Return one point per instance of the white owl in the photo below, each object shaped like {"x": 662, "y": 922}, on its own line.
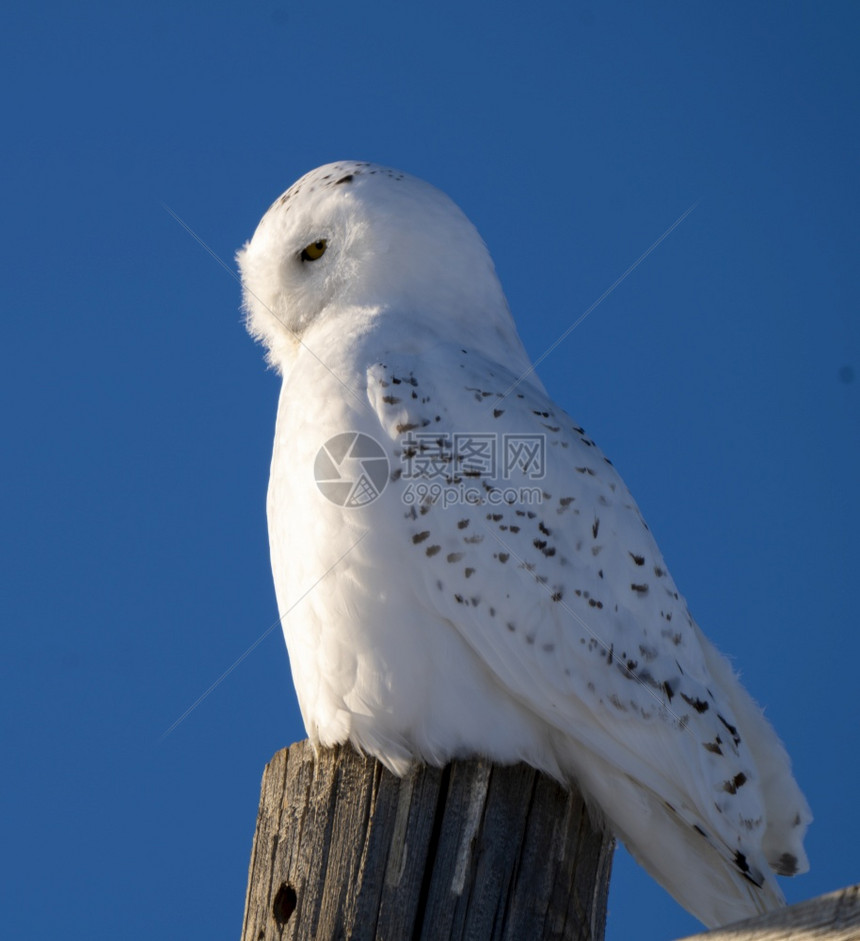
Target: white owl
{"x": 462, "y": 572}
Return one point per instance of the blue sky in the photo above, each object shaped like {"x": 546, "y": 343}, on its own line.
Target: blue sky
{"x": 722, "y": 377}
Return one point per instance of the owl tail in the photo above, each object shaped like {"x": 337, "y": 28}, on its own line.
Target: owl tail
{"x": 712, "y": 884}
{"x": 788, "y": 814}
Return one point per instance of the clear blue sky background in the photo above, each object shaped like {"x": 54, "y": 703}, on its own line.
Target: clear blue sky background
{"x": 722, "y": 377}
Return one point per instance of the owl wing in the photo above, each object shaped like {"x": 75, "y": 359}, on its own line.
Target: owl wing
{"x": 529, "y": 543}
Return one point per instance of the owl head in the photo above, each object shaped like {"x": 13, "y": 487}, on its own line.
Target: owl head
{"x": 353, "y": 235}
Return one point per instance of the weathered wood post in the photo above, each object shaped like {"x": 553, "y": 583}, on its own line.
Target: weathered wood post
{"x": 831, "y": 917}
{"x": 344, "y": 849}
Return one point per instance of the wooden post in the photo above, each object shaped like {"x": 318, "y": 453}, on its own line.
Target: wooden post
{"x": 834, "y": 917}
{"x": 345, "y": 850}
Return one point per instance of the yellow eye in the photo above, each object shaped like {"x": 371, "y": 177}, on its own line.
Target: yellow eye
{"x": 314, "y": 250}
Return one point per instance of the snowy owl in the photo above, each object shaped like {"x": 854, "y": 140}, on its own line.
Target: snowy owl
{"x": 459, "y": 569}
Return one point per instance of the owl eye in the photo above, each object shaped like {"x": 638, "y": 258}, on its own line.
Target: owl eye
{"x": 314, "y": 250}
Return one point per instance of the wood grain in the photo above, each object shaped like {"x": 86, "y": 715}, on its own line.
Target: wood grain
{"x": 344, "y": 849}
